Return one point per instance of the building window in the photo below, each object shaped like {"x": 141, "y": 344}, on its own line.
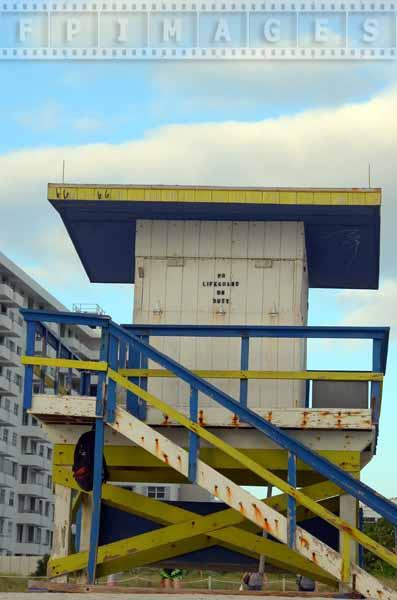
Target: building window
{"x": 156, "y": 492}
{"x": 5, "y": 435}
{"x": 24, "y": 475}
{"x": 38, "y": 536}
{"x": 30, "y": 534}
{"x": 41, "y": 451}
{"x": 9, "y": 528}
{"x": 14, "y": 439}
{"x": 19, "y": 534}
{"x": 16, "y": 409}
{"x": 47, "y": 509}
{"x": 11, "y": 499}
{"x": 49, "y": 481}
{"x": 25, "y": 418}
{"x": 49, "y": 453}
{"x": 47, "y": 537}
{"x": 7, "y": 404}
{"x": 2, "y": 495}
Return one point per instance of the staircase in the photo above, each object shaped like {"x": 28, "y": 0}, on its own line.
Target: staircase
{"x": 233, "y": 528}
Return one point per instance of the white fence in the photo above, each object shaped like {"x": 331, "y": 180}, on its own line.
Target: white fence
{"x": 18, "y": 565}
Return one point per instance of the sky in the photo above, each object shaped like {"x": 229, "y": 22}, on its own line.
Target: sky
{"x": 271, "y": 124}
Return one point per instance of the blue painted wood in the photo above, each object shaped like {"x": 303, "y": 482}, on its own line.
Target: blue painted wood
{"x": 291, "y": 501}
{"x": 375, "y": 385}
{"x": 28, "y": 379}
{"x": 96, "y": 496}
{"x": 283, "y": 439}
{"x": 194, "y": 440}
{"x": 133, "y": 362}
{"x": 77, "y": 539}
{"x": 111, "y": 389}
{"x": 244, "y": 362}
{"x": 98, "y": 464}
{"x": 142, "y": 407}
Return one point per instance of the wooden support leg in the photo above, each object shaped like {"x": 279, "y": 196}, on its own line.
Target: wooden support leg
{"x": 62, "y": 524}
{"x": 86, "y": 514}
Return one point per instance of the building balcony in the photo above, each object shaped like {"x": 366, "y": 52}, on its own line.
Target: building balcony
{"x": 8, "y": 417}
{"x": 6, "y": 448}
{"x": 30, "y": 549}
{"x": 8, "y": 357}
{"x": 33, "y": 518}
{"x": 34, "y": 489}
{"x": 7, "y": 511}
{"x": 10, "y": 327}
{"x": 8, "y": 387}
{"x": 35, "y": 460}
{"x": 33, "y": 431}
{"x": 7, "y": 481}
{"x": 9, "y": 296}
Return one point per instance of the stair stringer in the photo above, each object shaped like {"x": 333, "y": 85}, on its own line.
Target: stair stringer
{"x": 242, "y": 501}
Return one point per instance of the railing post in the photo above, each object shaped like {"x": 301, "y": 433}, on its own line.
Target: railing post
{"x": 43, "y": 370}
{"x": 361, "y": 528}
{"x": 291, "y": 501}
{"x": 111, "y": 390}
{"x": 194, "y": 440}
{"x": 133, "y": 362}
{"x": 143, "y": 382}
{"x": 28, "y": 380}
{"x": 376, "y": 385}
{"x": 98, "y": 464}
{"x": 244, "y": 365}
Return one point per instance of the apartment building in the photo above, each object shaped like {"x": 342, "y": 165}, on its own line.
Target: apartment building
{"x": 26, "y": 491}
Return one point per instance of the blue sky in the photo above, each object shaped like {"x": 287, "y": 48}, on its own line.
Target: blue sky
{"x": 316, "y": 123}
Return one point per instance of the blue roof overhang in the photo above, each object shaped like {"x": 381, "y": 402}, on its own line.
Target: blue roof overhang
{"x": 342, "y": 242}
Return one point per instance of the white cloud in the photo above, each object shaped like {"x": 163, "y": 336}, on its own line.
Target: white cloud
{"x": 328, "y": 147}
{"x": 372, "y": 306}
{"x": 44, "y": 118}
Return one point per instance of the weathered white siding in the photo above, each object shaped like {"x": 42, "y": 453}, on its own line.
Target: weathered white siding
{"x": 196, "y": 272}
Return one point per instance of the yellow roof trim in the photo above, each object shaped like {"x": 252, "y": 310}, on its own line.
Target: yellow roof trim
{"x": 215, "y": 194}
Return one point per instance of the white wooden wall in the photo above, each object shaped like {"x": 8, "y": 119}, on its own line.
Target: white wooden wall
{"x": 200, "y": 272}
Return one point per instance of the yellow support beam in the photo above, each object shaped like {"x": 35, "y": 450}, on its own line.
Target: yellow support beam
{"x": 266, "y": 475}
{"x": 345, "y": 552}
{"x": 232, "y": 537}
{"x": 274, "y": 459}
{"x": 66, "y": 363}
{"x": 234, "y": 374}
{"x": 214, "y": 195}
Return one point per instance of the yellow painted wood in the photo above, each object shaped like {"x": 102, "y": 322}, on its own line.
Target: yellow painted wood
{"x": 267, "y": 476}
{"x": 147, "y": 193}
{"x": 230, "y": 536}
{"x": 234, "y": 374}
{"x": 66, "y": 363}
{"x": 345, "y": 551}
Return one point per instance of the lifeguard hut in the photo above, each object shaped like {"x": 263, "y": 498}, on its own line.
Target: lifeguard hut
{"x": 209, "y": 383}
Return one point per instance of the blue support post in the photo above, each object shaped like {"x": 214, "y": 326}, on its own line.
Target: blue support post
{"x": 98, "y": 465}
{"x": 194, "y": 440}
{"x": 77, "y": 539}
{"x": 28, "y": 380}
{"x": 244, "y": 362}
{"x": 56, "y": 378}
{"x": 361, "y": 528}
{"x": 133, "y": 362}
{"x": 375, "y": 385}
{"x": 85, "y": 383}
{"x": 291, "y": 500}
{"x": 111, "y": 392}
{"x": 143, "y": 382}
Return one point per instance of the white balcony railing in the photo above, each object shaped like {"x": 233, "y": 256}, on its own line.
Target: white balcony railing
{"x": 8, "y": 387}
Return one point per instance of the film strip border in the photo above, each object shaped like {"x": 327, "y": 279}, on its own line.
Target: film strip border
{"x": 148, "y": 50}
